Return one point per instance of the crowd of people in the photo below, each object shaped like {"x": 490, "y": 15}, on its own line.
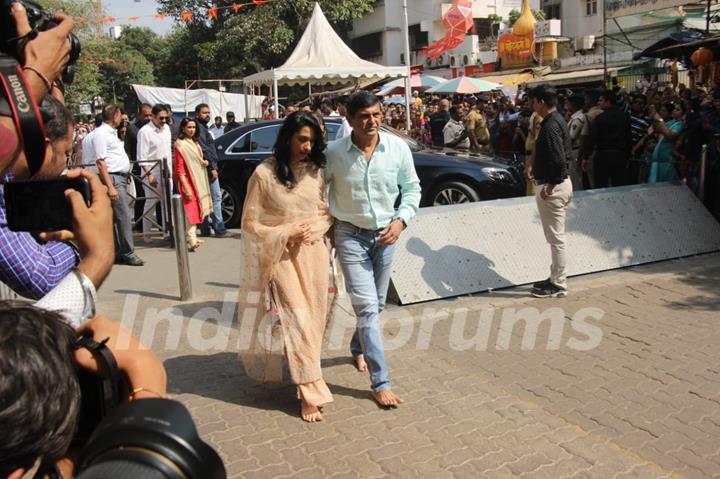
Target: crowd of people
{"x": 651, "y": 134}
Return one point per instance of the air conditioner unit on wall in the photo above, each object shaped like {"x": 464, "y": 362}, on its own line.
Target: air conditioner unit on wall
{"x": 441, "y": 60}
{"x": 470, "y": 59}
{"x": 586, "y": 42}
{"x": 455, "y": 60}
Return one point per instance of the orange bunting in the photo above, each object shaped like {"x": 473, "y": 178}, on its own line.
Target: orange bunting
{"x": 213, "y": 13}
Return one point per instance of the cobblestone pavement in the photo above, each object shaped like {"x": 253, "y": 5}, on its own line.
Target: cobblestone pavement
{"x": 644, "y": 402}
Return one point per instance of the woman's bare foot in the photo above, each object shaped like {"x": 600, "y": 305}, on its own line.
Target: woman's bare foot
{"x": 387, "y": 398}
{"x": 310, "y": 413}
{"x": 360, "y": 363}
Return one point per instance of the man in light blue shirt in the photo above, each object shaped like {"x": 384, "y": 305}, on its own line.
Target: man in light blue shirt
{"x": 366, "y": 171}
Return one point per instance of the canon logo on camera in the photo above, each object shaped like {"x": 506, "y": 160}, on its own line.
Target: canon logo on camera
{"x": 21, "y": 101}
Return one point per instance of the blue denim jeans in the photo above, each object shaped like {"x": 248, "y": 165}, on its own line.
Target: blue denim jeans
{"x": 218, "y": 225}
{"x": 366, "y": 266}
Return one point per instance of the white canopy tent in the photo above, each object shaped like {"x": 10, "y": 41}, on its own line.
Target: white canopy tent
{"x": 322, "y": 57}
{"x": 185, "y": 100}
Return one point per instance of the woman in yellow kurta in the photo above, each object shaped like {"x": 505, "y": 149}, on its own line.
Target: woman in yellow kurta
{"x": 284, "y": 278}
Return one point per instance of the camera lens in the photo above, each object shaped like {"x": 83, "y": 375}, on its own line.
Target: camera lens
{"x": 148, "y": 438}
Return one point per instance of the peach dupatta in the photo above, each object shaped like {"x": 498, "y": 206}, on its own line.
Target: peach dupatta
{"x": 283, "y": 302}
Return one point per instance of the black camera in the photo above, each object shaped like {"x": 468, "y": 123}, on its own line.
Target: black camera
{"x": 40, "y": 21}
{"x": 148, "y": 438}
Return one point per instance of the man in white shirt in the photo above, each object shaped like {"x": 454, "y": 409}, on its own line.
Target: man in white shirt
{"x": 345, "y": 128}
{"x": 88, "y": 154}
{"x": 154, "y": 147}
{"x": 114, "y": 167}
{"x": 218, "y": 129}
{"x": 327, "y": 108}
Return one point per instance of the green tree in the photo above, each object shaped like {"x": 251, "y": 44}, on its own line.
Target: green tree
{"x": 119, "y": 67}
{"x": 514, "y": 14}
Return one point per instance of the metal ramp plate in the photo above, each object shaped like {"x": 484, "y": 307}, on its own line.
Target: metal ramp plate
{"x": 460, "y": 249}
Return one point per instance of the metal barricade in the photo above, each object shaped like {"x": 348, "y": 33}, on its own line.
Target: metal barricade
{"x": 160, "y": 194}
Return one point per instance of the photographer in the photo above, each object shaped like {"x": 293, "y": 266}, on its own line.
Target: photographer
{"x": 29, "y": 267}
{"x": 45, "y": 55}
{"x": 40, "y": 395}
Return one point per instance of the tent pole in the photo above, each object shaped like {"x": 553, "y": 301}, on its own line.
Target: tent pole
{"x": 408, "y": 94}
{"x": 275, "y": 95}
{"x": 247, "y": 104}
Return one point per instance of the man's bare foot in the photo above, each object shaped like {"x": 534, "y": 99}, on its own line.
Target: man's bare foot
{"x": 360, "y": 363}
{"x": 387, "y": 398}
{"x": 310, "y": 413}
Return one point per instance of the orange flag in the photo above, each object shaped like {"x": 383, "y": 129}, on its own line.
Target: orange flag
{"x": 160, "y": 16}
{"x": 237, "y": 7}
{"x": 186, "y": 16}
{"x": 213, "y": 13}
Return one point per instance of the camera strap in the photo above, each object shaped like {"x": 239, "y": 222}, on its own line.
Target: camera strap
{"x": 24, "y": 111}
{"x": 103, "y": 353}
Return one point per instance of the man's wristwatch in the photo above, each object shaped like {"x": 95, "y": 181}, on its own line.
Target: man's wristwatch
{"x": 400, "y": 220}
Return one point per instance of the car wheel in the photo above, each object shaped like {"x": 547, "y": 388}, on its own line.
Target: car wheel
{"x": 231, "y": 207}
{"x": 453, "y": 193}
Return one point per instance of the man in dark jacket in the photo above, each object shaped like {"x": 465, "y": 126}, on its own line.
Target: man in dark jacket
{"x": 143, "y": 117}
{"x": 548, "y": 166}
{"x": 611, "y": 140}
{"x": 438, "y": 120}
{"x": 207, "y": 145}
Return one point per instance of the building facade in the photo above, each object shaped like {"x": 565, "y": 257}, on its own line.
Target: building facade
{"x": 378, "y": 36}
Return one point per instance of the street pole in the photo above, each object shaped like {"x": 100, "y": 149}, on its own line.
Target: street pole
{"x": 707, "y": 19}
{"x": 605, "y": 41}
{"x": 406, "y": 35}
{"x": 181, "y": 249}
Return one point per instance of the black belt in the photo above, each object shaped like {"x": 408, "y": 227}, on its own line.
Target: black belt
{"x": 124, "y": 175}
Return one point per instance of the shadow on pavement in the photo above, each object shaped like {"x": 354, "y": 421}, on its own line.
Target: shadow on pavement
{"x": 147, "y": 294}
{"x": 705, "y": 280}
{"x": 221, "y": 377}
{"x": 223, "y": 285}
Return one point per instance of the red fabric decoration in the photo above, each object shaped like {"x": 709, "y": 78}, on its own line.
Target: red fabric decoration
{"x": 458, "y": 21}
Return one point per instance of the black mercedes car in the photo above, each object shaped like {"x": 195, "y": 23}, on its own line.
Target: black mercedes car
{"x": 446, "y": 177}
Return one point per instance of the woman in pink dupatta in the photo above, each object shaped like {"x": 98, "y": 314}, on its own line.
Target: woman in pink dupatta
{"x": 190, "y": 174}
{"x": 284, "y": 274}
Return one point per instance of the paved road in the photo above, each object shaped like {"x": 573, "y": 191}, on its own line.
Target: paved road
{"x": 635, "y": 393}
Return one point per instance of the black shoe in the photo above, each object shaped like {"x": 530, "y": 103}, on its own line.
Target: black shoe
{"x": 541, "y": 284}
{"x": 132, "y": 260}
{"x": 221, "y": 235}
{"x": 549, "y": 291}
